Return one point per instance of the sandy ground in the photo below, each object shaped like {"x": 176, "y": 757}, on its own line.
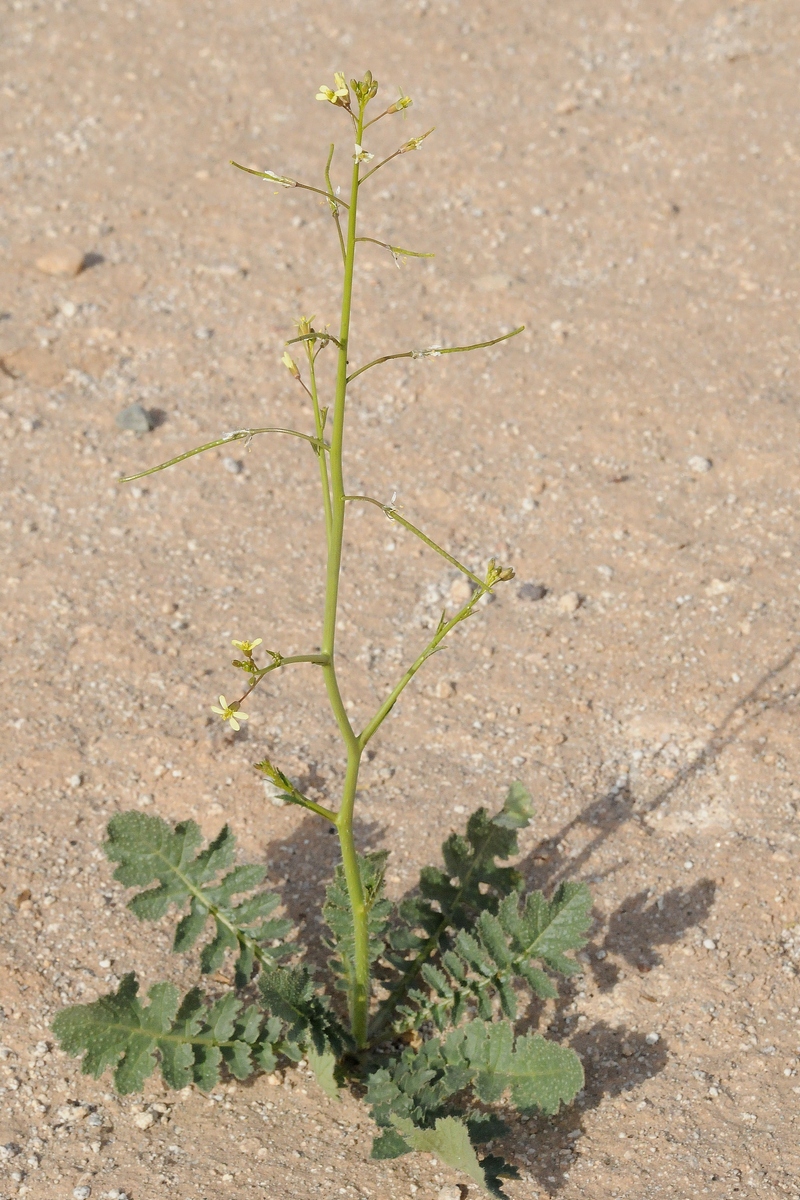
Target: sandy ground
{"x": 622, "y": 177}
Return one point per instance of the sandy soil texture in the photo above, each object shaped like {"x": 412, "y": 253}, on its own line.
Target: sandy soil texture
{"x": 622, "y": 177}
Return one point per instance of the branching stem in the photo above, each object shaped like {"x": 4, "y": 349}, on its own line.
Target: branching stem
{"x": 433, "y": 352}
{"x": 394, "y": 515}
{"x": 237, "y": 436}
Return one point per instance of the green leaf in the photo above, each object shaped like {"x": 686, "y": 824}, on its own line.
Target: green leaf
{"x": 324, "y": 1068}
{"x": 541, "y": 1075}
{"x": 517, "y": 812}
{"x": 494, "y": 958}
{"x": 453, "y": 899}
{"x": 390, "y": 1144}
{"x": 449, "y": 1141}
{"x": 338, "y": 914}
{"x": 290, "y": 993}
{"x": 148, "y": 850}
{"x": 191, "y": 1040}
{"x": 544, "y": 1075}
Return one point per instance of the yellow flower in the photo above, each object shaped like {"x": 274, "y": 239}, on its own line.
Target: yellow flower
{"x": 230, "y": 713}
{"x": 361, "y": 155}
{"x": 338, "y": 95}
{"x": 247, "y": 648}
{"x": 290, "y": 364}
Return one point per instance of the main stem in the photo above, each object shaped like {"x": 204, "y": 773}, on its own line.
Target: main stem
{"x": 359, "y": 1000}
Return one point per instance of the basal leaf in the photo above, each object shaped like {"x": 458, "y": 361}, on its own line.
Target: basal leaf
{"x": 149, "y": 851}
{"x": 449, "y": 1141}
{"x": 324, "y": 1068}
{"x": 190, "y": 1040}
{"x": 452, "y": 899}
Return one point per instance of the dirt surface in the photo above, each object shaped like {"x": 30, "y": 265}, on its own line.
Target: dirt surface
{"x": 623, "y": 179}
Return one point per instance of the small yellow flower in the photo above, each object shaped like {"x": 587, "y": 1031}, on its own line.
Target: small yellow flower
{"x": 290, "y": 364}
{"x": 338, "y": 95}
{"x": 230, "y": 713}
{"x": 247, "y": 648}
{"x": 361, "y": 155}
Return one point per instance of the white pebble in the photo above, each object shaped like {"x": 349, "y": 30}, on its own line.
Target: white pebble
{"x": 651, "y": 1038}
{"x": 449, "y": 1192}
{"x": 83, "y": 1192}
{"x": 687, "y": 866}
{"x": 234, "y": 465}
{"x": 203, "y": 333}
{"x": 75, "y": 781}
{"x": 570, "y": 602}
{"x": 709, "y": 943}
{"x": 144, "y": 1120}
{"x": 699, "y": 465}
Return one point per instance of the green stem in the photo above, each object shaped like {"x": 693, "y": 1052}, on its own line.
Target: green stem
{"x": 344, "y": 822}
{"x": 445, "y": 627}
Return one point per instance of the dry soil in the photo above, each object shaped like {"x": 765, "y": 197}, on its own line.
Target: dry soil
{"x": 622, "y": 178}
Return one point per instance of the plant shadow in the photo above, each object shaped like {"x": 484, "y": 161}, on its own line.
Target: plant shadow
{"x": 617, "y": 1061}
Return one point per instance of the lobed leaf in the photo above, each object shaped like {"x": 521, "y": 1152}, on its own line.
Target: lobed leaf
{"x": 501, "y": 953}
{"x": 290, "y": 993}
{"x": 453, "y": 899}
{"x": 190, "y": 1039}
{"x": 148, "y": 850}
{"x": 338, "y": 914}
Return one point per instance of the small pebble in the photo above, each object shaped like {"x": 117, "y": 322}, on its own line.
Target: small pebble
{"x": 687, "y": 866}
{"x": 234, "y": 465}
{"x": 699, "y": 465}
{"x": 570, "y": 602}
{"x": 203, "y": 333}
{"x": 65, "y": 261}
{"x": 82, "y": 1193}
{"x": 75, "y": 781}
{"x": 449, "y": 1192}
{"x": 709, "y": 943}
{"x": 606, "y": 571}
{"x": 135, "y": 418}
{"x": 532, "y": 591}
{"x": 651, "y": 1038}
{"x": 144, "y": 1120}
{"x": 445, "y": 689}
{"x": 460, "y": 592}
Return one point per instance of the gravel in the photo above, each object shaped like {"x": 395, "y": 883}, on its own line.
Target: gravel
{"x": 135, "y": 418}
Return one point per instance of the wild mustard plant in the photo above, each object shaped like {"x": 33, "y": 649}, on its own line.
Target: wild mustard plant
{"x": 431, "y": 985}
